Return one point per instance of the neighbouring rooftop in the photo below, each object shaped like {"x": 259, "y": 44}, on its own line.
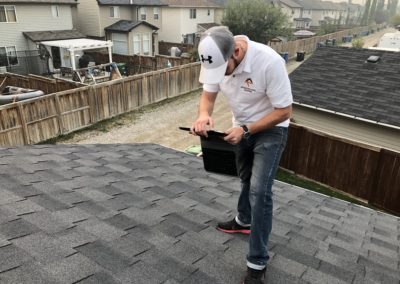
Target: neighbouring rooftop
{"x": 143, "y": 213}
{"x": 343, "y": 80}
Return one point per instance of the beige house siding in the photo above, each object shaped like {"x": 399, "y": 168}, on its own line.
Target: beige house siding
{"x": 125, "y": 13}
{"x": 150, "y": 17}
{"x": 141, "y": 30}
{"x": 219, "y": 15}
{"x": 176, "y": 22}
{"x": 33, "y": 18}
{"x": 171, "y": 29}
{"x": 353, "y": 129}
{"x": 88, "y": 18}
{"x": 291, "y": 16}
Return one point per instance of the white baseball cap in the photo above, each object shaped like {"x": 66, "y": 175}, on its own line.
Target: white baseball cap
{"x": 215, "y": 48}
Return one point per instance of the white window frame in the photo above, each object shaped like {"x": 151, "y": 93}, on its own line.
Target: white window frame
{"x": 55, "y": 11}
{"x": 192, "y": 13}
{"x": 136, "y": 38}
{"x": 148, "y": 41}
{"x": 142, "y": 14}
{"x": 5, "y": 9}
{"x": 114, "y": 12}
{"x": 156, "y": 14}
{"x": 6, "y": 48}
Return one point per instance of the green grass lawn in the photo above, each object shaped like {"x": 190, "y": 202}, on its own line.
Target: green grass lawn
{"x": 290, "y": 178}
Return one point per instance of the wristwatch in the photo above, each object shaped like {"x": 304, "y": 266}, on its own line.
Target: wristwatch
{"x": 246, "y": 132}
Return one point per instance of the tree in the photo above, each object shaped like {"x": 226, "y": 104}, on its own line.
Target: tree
{"x": 364, "y": 20}
{"x": 395, "y": 20}
{"x": 257, "y": 19}
{"x": 357, "y": 43}
{"x": 371, "y": 16}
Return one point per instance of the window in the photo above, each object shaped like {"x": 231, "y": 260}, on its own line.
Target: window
{"x": 8, "y": 56}
{"x": 120, "y": 43}
{"x": 146, "y": 44}
{"x": 208, "y": 12}
{"x": 114, "y": 12}
{"x": 192, "y": 13}
{"x": 7, "y": 14}
{"x": 136, "y": 44}
{"x": 55, "y": 11}
{"x": 143, "y": 14}
{"x": 155, "y": 12}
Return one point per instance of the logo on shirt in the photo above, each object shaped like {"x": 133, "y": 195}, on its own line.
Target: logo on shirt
{"x": 248, "y": 86}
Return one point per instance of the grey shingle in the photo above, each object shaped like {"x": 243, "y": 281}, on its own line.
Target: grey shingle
{"x": 156, "y": 223}
{"x": 12, "y": 257}
{"x": 102, "y": 254}
{"x": 337, "y": 87}
{"x": 71, "y": 269}
{"x": 17, "y": 228}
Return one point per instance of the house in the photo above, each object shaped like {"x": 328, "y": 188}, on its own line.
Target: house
{"x": 174, "y": 20}
{"x": 293, "y": 10}
{"x": 132, "y": 25}
{"x": 17, "y": 17}
{"x": 181, "y": 18}
{"x": 352, "y": 93}
{"x": 144, "y": 213}
{"x": 133, "y": 37}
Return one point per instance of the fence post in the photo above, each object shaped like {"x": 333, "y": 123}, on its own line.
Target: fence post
{"x": 23, "y": 124}
{"x": 59, "y": 116}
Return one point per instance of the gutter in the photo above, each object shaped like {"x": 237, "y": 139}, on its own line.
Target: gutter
{"x": 347, "y": 115}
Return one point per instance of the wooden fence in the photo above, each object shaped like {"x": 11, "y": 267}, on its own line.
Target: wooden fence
{"x": 39, "y": 119}
{"x": 309, "y": 45}
{"x": 47, "y": 85}
{"x": 141, "y": 64}
{"x": 369, "y": 173}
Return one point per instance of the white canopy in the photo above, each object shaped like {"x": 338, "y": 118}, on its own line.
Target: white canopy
{"x": 80, "y": 44}
{"x": 303, "y": 33}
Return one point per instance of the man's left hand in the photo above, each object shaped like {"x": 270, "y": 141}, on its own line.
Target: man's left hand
{"x": 234, "y": 135}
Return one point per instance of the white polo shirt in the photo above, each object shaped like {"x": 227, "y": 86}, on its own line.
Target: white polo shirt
{"x": 258, "y": 85}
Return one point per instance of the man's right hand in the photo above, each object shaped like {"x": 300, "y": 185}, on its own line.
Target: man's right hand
{"x": 201, "y": 125}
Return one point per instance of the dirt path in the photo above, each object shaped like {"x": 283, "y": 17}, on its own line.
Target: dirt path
{"x": 160, "y": 124}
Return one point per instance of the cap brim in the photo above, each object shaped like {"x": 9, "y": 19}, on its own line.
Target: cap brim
{"x": 213, "y": 76}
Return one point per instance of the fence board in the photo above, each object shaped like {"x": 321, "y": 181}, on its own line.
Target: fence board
{"x": 11, "y": 131}
{"x": 41, "y": 118}
{"x": 386, "y": 192}
{"x": 338, "y": 163}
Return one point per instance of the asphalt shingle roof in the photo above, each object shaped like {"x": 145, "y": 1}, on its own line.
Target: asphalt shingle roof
{"x": 142, "y": 213}
{"x": 41, "y": 1}
{"x": 53, "y": 35}
{"x": 341, "y": 80}
{"x": 127, "y": 26}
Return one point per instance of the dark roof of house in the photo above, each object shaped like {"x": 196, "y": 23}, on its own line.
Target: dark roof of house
{"x": 40, "y": 1}
{"x": 127, "y": 26}
{"x": 341, "y": 80}
{"x": 132, "y": 2}
{"x": 172, "y": 3}
{"x": 207, "y": 26}
{"x": 290, "y": 3}
{"x": 143, "y": 213}
{"x": 53, "y": 35}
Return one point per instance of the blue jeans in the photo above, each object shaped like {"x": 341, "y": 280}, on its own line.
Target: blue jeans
{"x": 258, "y": 160}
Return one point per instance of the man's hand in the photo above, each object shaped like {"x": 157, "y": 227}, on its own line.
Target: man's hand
{"x": 201, "y": 125}
{"x": 234, "y": 135}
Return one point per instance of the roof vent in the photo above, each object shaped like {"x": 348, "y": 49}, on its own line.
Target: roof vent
{"x": 373, "y": 59}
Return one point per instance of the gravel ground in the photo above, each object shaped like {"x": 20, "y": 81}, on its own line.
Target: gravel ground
{"x": 159, "y": 124}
